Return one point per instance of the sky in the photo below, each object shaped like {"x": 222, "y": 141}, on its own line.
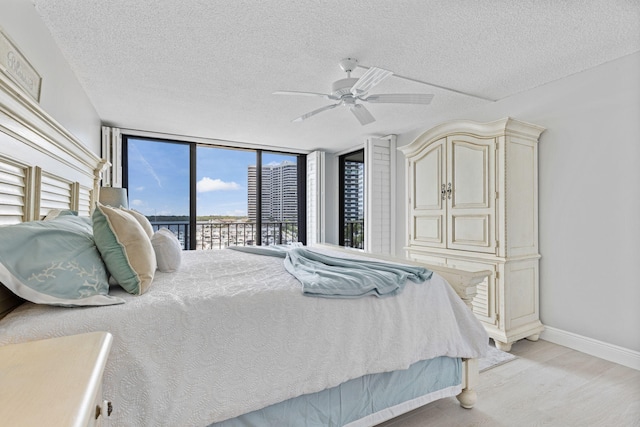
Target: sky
{"x": 159, "y": 178}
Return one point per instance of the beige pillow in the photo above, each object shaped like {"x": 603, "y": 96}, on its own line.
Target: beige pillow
{"x": 144, "y": 222}
{"x": 168, "y": 250}
{"x": 125, "y": 248}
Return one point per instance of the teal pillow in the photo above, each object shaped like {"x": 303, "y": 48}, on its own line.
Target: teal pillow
{"x": 125, "y": 248}
{"x": 54, "y": 262}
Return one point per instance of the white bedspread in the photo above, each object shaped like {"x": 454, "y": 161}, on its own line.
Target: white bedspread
{"x": 231, "y": 332}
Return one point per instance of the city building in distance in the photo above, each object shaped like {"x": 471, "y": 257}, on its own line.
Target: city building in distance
{"x": 279, "y": 192}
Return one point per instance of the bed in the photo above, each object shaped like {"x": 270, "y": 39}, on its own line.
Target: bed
{"x": 229, "y": 339}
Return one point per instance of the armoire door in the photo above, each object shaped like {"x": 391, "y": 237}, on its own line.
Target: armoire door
{"x": 427, "y": 197}
{"x": 470, "y": 190}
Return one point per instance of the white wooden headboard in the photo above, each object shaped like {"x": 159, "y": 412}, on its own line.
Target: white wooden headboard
{"x": 42, "y": 167}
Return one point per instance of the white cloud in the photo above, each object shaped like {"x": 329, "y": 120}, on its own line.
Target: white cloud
{"x": 207, "y": 184}
{"x": 137, "y": 202}
{"x": 139, "y": 188}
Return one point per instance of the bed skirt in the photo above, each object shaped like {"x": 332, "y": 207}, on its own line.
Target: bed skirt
{"x": 363, "y": 401}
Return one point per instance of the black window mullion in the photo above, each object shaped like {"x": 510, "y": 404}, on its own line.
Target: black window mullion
{"x": 302, "y": 198}
{"x": 259, "y": 197}
{"x": 125, "y": 161}
{"x": 192, "y": 195}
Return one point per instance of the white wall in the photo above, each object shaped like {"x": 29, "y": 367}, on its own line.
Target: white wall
{"x": 61, "y": 95}
{"x": 589, "y": 197}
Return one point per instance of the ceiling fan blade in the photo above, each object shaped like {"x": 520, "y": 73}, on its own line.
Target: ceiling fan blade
{"x": 314, "y": 112}
{"x": 293, "y": 92}
{"x": 362, "y": 114}
{"x": 369, "y": 79}
{"x": 400, "y": 98}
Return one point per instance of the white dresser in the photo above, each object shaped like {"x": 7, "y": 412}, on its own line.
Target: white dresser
{"x": 472, "y": 195}
{"x": 54, "y": 382}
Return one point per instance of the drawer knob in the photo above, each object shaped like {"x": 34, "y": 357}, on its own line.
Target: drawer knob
{"x": 100, "y": 408}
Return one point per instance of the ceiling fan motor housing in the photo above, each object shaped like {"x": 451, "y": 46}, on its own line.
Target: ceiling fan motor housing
{"x": 343, "y": 86}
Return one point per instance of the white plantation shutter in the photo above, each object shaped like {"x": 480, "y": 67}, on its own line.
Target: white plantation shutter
{"x": 112, "y": 152}
{"x": 83, "y": 204}
{"x": 315, "y": 197}
{"x": 380, "y": 184}
{"x": 55, "y": 193}
{"x": 13, "y": 192}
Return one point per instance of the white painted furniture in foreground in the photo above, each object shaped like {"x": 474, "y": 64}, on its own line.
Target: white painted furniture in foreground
{"x": 472, "y": 194}
{"x": 54, "y": 382}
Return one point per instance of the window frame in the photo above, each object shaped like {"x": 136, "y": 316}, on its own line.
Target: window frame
{"x": 342, "y": 159}
{"x": 193, "y": 145}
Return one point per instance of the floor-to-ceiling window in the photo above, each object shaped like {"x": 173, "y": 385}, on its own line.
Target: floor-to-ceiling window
{"x": 222, "y": 204}
{"x": 157, "y": 176}
{"x": 215, "y": 194}
{"x": 351, "y": 200}
{"x": 279, "y": 198}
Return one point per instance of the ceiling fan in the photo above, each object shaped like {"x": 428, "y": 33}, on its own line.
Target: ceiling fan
{"x": 350, "y": 92}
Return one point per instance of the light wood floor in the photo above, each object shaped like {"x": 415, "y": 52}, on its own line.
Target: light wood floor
{"x": 547, "y": 385}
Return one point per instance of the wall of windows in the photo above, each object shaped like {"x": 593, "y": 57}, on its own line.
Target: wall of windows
{"x": 212, "y": 196}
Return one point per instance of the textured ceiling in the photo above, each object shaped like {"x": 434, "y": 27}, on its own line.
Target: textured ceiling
{"x": 207, "y": 68}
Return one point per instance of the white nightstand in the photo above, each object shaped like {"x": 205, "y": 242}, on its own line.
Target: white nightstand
{"x": 54, "y": 382}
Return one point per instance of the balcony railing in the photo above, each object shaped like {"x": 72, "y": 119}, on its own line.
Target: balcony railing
{"x": 215, "y": 235}
{"x": 354, "y": 234}
{"x": 179, "y": 228}
{"x": 219, "y": 235}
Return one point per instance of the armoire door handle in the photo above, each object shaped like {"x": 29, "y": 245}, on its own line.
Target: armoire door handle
{"x": 449, "y": 191}
{"x": 443, "y": 192}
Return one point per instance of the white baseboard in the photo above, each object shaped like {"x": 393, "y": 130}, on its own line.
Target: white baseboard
{"x": 603, "y": 350}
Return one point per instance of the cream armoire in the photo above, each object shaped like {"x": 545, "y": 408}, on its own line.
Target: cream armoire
{"x": 472, "y": 200}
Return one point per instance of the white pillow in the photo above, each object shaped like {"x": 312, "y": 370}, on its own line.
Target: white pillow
{"x": 168, "y": 250}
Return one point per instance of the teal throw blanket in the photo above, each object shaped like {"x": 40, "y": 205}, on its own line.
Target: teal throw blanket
{"x": 332, "y": 277}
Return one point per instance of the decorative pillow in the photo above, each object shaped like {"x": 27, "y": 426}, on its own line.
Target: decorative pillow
{"x": 55, "y": 213}
{"x": 54, "y": 262}
{"x": 144, "y": 222}
{"x": 168, "y": 250}
{"x": 125, "y": 248}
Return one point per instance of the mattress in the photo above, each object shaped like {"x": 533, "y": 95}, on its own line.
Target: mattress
{"x": 231, "y": 333}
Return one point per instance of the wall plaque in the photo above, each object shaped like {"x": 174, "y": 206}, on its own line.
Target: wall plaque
{"x": 16, "y": 66}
